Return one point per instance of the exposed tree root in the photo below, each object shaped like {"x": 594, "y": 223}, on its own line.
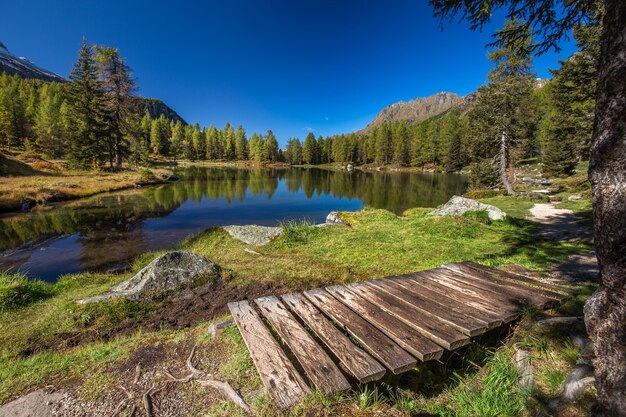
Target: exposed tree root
{"x": 208, "y": 380}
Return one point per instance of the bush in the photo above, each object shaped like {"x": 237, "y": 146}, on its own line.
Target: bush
{"x": 484, "y": 174}
{"x": 147, "y": 176}
{"x": 17, "y": 290}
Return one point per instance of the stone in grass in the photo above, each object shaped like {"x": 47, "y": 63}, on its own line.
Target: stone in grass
{"x": 457, "y": 206}
{"x": 218, "y": 327}
{"x": 252, "y": 234}
{"x": 168, "y": 274}
{"x": 334, "y": 219}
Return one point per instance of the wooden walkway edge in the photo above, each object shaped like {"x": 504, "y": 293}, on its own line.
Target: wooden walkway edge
{"x": 354, "y": 333}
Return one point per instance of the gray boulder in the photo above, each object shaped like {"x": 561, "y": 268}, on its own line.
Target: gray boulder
{"x": 253, "y": 235}
{"x": 333, "y": 219}
{"x": 168, "y": 274}
{"x": 457, "y": 206}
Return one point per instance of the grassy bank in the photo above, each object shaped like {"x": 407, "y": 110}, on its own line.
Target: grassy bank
{"x": 29, "y": 179}
{"x": 45, "y": 337}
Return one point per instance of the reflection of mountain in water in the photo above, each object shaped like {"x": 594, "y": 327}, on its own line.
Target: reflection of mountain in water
{"x": 113, "y": 228}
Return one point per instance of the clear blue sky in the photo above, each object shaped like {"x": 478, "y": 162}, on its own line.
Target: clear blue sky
{"x": 289, "y": 66}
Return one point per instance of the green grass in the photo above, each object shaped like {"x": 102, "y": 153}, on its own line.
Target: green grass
{"x": 34, "y": 314}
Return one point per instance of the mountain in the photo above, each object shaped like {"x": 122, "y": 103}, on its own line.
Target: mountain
{"x": 416, "y": 111}
{"x": 155, "y": 108}
{"x": 21, "y": 66}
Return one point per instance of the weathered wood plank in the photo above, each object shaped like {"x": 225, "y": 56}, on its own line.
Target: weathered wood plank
{"x": 317, "y": 365}
{"x": 501, "y": 312}
{"x": 281, "y": 379}
{"x": 450, "y": 314}
{"x": 355, "y": 361}
{"x": 373, "y": 340}
{"x": 415, "y": 284}
{"x": 401, "y": 333}
{"x": 429, "y": 326}
{"x": 519, "y": 278}
{"x": 505, "y": 304}
{"x": 483, "y": 280}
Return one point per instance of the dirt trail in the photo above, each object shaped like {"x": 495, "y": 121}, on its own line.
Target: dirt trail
{"x": 563, "y": 224}
{"x": 559, "y": 224}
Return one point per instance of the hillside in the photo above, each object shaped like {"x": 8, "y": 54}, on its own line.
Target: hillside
{"x": 417, "y": 110}
{"x": 21, "y": 66}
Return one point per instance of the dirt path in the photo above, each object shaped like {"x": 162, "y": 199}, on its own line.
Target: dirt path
{"x": 559, "y": 224}
{"x": 563, "y": 224}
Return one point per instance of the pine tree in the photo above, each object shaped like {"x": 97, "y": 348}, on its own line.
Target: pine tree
{"x": 229, "y": 142}
{"x": 160, "y": 136}
{"x": 257, "y": 148}
{"x": 241, "y": 144}
{"x": 118, "y": 84}
{"x": 48, "y": 123}
{"x": 271, "y": 147}
{"x": 293, "y": 152}
{"x": 383, "y": 144}
{"x": 12, "y": 112}
{"x": 500, "y": 114}
{"x": 133, "y": 136}
{"x": 572, "y": 95}
{"x": 177, "y": 139}
{"x": 85, "y": 112}
{"x": 310, "y": 151}
{"x": 199, "y": 142}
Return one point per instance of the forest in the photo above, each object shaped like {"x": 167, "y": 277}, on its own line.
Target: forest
{"x": 91, "y": 122}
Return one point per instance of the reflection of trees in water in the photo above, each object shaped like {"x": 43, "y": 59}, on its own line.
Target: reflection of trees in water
{"x": 117, "y": 218}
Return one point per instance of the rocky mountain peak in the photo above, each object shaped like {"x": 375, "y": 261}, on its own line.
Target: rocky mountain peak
{"x": 21, "y": 66}
{"x": 417, "y": 110}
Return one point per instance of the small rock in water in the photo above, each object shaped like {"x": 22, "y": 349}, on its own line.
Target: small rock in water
{"x": 349, "y": 167}
{"x": 457, "y": 206}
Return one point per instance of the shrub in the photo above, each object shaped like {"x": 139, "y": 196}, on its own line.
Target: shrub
{"x": 480, "y": 216}
{"x": 298, "y": 232}
{"x": 146, "y": 176}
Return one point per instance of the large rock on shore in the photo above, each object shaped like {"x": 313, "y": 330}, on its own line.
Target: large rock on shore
{"x": 166, "y": 275}
{"x": 457, "y": 206}
{"x": 252, "y": 234}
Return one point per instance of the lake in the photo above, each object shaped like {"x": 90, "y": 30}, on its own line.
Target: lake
{"x": 108, "y": 231}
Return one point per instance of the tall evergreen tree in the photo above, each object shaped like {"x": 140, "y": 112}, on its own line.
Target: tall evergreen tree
{"x": 85, "y": 112}
{"x": 310, "y": 151}
{"x": 271, "y": 147}
{"x": 500, "y": 113}
{"x": 118, "y": 84}
{"x": 241, "y": 144}
{"x": 48, "y": 122}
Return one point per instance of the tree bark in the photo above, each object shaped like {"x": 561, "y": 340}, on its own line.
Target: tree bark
{"x": 503, "y": 174}
{"x": 605, "y": 312}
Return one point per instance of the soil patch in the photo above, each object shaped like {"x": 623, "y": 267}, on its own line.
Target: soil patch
{"x": 200, "y": 304}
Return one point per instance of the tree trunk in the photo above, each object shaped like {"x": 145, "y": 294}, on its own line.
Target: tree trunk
{"x": 503, "y": 174}
{"x": 605, "y": 312}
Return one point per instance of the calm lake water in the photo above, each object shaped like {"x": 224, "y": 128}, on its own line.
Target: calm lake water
{"x": 110, "y": 230}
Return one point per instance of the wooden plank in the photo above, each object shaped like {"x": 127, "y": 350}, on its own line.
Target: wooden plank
{"x": 520, "y": 278}
{"x": 428, "y": 325}
{"x": 355, "y": 361}
{"x": 506, "y": 304}
{"x": 466, "y": 324}
{"x": 448, "y": 299}
{"x": 500, "y": 312}
{"x": 410, "y": 339}
{"x": 518, "y": 298}
{"x": 373, "y": 340}
{"x": 317, "y": 365}
{"x": 535, "y": 296}
{"x": 281, "y": 379}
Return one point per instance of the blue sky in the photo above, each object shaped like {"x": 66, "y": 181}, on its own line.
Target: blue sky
{"x": 289, "y": 66}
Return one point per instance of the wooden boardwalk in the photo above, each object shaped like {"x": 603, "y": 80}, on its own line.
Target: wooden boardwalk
{"x": 343, "y": 334}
